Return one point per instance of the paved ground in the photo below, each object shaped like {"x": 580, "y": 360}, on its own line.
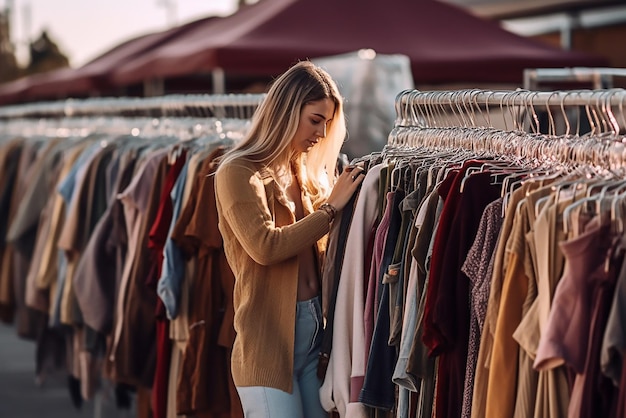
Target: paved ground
{"x": 21, "y": 397}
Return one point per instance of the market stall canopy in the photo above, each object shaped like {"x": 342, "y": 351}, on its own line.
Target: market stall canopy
{"x": 93, "y": 76}
{"x": 14, "y": 91}
{"x": 444, "y": 43}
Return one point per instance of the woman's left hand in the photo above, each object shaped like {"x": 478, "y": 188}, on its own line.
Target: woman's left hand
{"x": 345, "y": 186}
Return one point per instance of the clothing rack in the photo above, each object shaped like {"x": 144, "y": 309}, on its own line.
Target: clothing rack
{"x": 203, "y": 105}
{"x": 543, "y": 200}
{"x": 508, "y": 122}
{"x": 190, "y": 122}
{"x": 411, "y": 104}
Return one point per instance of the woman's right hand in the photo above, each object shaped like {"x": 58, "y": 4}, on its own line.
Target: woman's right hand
{"x": 345, "y": 186}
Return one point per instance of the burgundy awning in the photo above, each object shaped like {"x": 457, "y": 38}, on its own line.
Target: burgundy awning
{"x": 444, "y": 43}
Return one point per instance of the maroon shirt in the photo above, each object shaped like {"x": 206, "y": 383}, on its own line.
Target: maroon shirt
{"x": 156, "y": 242}
{"x": 447, "y": 309}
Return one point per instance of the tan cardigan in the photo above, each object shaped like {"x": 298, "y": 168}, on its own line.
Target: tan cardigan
{"x": 261, "y": 242}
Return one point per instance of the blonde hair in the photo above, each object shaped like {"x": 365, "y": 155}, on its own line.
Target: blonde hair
{"x": 274, "y": 124}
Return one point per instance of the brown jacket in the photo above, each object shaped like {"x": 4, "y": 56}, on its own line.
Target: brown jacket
{"x": 261, "y": 242}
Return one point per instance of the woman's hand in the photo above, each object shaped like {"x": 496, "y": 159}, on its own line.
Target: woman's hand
{"x": 346, "y": 185}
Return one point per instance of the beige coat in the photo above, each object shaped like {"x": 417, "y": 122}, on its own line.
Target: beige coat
{"x": 261, "y": 242}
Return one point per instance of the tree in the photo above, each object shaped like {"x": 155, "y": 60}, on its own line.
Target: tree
{"x": 9, "y": 70}
{"x": 45, "y": 55}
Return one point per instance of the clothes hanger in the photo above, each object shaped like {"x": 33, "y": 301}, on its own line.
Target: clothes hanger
{"x": 617, "y": 212}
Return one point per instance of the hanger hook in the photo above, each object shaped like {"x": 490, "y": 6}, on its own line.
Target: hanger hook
{"x": 564, "y": 113}
{"x": 551, "y": 124}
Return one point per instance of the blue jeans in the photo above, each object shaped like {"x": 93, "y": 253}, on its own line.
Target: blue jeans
{"x": 304, "y": 401}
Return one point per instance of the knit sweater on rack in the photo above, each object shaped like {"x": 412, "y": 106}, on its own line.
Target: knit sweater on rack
{"x": 262, "y": 241}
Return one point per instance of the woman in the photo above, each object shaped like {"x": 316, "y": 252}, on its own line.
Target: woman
{"x": 276, "y": 201}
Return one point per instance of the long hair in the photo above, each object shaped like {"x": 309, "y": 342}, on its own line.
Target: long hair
{"x": 274, "y": 124}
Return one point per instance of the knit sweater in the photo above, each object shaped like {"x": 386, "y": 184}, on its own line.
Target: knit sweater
{"x": 262, "y": 241}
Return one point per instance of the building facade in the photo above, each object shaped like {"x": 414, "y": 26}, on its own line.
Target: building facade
{"x": 595, "y": 26}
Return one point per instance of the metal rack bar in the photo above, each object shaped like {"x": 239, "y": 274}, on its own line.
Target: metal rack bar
{"x": 171, "y": 105}
{"x": 512, "y": 98}
{"x": 599, "y": 77}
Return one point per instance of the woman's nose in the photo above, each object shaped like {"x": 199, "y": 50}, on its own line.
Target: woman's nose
{"x": 322, "y": 134}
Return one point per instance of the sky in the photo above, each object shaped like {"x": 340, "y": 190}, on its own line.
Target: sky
{"x": 84, "y": 29}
